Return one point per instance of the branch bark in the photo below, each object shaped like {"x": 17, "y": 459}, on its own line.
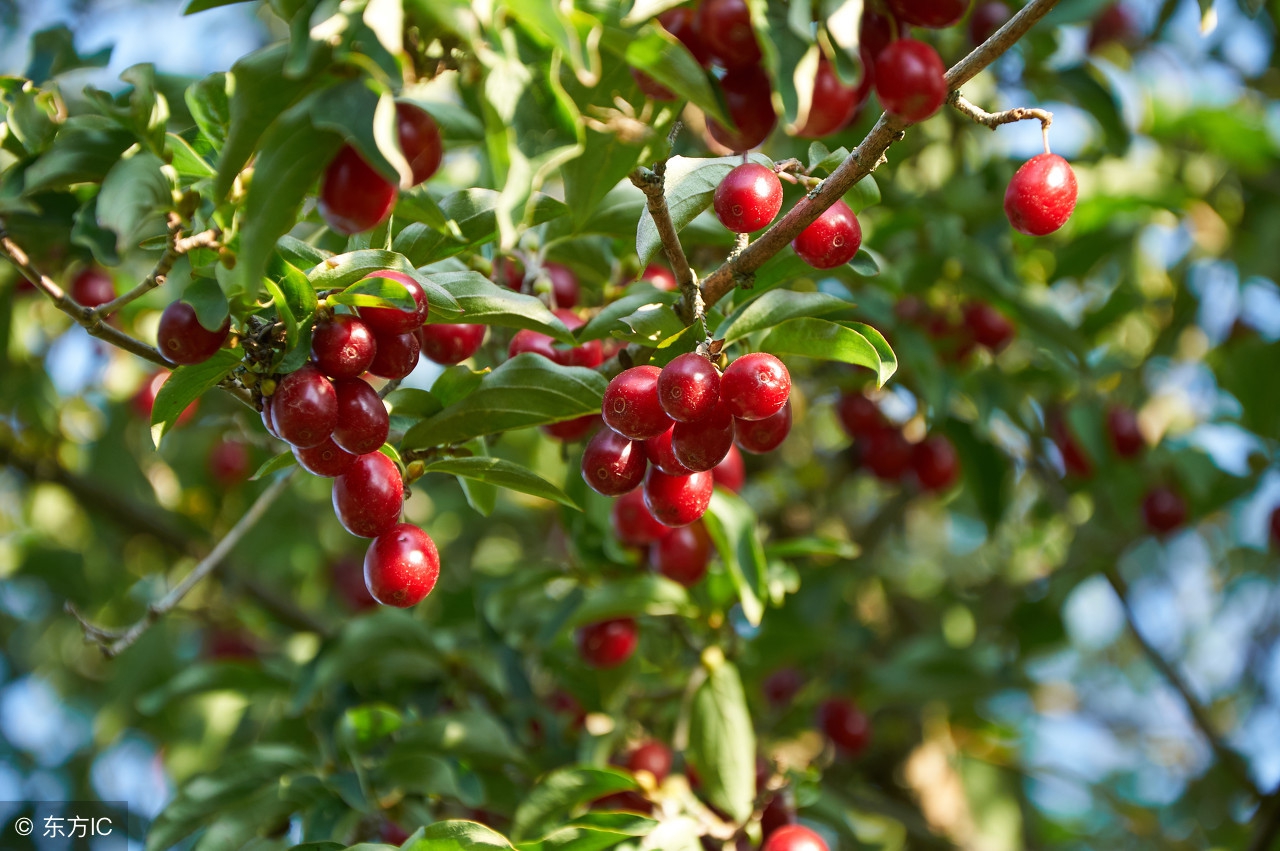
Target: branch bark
{"x": 653, "y": 184}
{"x": 177, "y": 247}
{"x": 992, "y": 120}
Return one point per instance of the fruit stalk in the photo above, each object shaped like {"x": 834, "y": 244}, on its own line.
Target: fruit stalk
{"x": 177, "y": 246}
{"x": 993, "y": 120}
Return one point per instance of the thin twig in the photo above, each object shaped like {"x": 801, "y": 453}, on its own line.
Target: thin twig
{"x": 992, "y": 120}
{"x": 652, "y": 182}
{"x": 177, "y": 247}
{"x": 1266, "y": 823}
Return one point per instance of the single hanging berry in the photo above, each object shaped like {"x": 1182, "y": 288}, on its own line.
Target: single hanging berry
{"x": 1041, "y": 195}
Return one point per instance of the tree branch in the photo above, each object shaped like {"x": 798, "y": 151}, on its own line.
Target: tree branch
{"x": 177, "y": 247}
{"x": 864, "y": 159}
{"x": 653, "y": 184}
{"x": 1266, "y": 823}
{"x": 992, "y": 120}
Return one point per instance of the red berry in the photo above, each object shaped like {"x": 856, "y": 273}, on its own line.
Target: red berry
{"x": 661, "y": 277}
{"x": 419, "y": 140}
{"x": 396, "y": 355}
{"x": 267, "y": 421}
{"x": 1115, "y": 24}
{"x": 589, "y": 355}
{"x": 661, "y": 455}
{"x": 569, "y": 431}
{"x": 725, "y": 27}
{"x": 631, "y": 406}
{"x": 93, "y": 287}
{"x": 934, "y": 14}
{"x": 781, "y": 687}
{"x": 833, "y": 104}
{"x": 761, "y": 436}
{"x": 875, "y": 32}
{"x": 832, "y": 240}
{"x": 986, "y": 19}
{"x": 363, "y": 423}
{"x": 183, "y": 340}
{"x": 859, "y": 415}
{"x": 683, "y": 554}
{"x": 731, "y": 473}
{"x": 347, "y": 575}
{"x": 353, "y": 196}
{"x": 935, "y": 462}
{"x": 910, "y": 79}
{"x": 777, "y": 814}
{"x": 1074, "y": 459}
{"x": 564, "y": 284}
{"x": 342, "y": 347}
{"x": 613, "y": 465}
{"x": 689, "y": 388}
{"x": 368, "y": 497}
{"x": 509, "y": 271}
{"x": 988, "y": 326}
{"x": 845, "y": 724}
{"x": 229, "y": 463}
{"x": 651, "y": 87}
{"x": 755, "y": 386}
{"x": 794, "y": 837}
{"x": 393, "y": 320}
{"x": 677, "y": 500}
{"x": 653, "y": 757}
{"x": 1041, "y": 195}
{"x": 563, "y": 703}
{"x": 401, "y": 566}
{"x": 609, "y": 643}
{"x": 1126, "y": 437}
{"x": 632, "y": 523}
{"x": 887, "y": 454}
{"x": 1163, "y": 510}
{"x": 682, "y": 22}
{"x": 1275, "y": 527}
{"x": 748, "y": 100}
{"x": 304, "y": 409}
{"x": 748, "y": 198}
{"x": 699, "y": 446}
{"x": 327, "y": 460}
{"x": 450, "y": 344}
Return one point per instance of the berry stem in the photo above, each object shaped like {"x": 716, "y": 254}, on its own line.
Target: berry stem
{"x": 993, "y": 120}
{"x": 176, "y": 247}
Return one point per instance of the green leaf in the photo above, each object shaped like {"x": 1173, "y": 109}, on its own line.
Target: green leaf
{"x": 659, "y": 54}
{"x": 610, "y": 317}
{"x": 467, "y": 733}
{"x": 185, "y": 385}
{"x": 208, "y": 104}
{"x": 299, "y": 253}
{"x": 863, "y": 194}
{"x": 375, "y": 292}
{"x": 565, "y": 789}
{"x": 503, "y": 473}
{"x": 202, "y": 5}
{"x": 865, "y": 264}
{"x": 473, "y": 213}
{"x": 652, "y": 323}
{"x": 206, "y": 298}
{"x": 53, "y": 51}
{"x": 589, "y": 177}
{"x": 646, "y": 594}
{"x": 775, "y": 307}
{"x": 811, "y": 546}
{"x": 342, "y": 270}
{"x": 134, "y": 194}
{"x": 485, "y": 303}
{"x": 987, "y": 471}
{"x": 186, "y": 161}
{"x": 363, "y": 112}
{"x": 283, "y": 461}
{"x": 593, "y": 831}
{"x": 847, "y": 342}
{"x": 84, "y": 150}
{"x": 722, "y": 742}
{"x": 457, "y": 836}
{"x": 527, "y": 390}
{"x": 733, "y": 526}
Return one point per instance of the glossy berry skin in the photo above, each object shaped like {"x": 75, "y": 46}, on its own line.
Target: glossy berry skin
{"x": 661, "y": 454}
{"x": 613, "y": 465}
{"x": 304, "y": 409}
{"x": 353, "y": 195}
{"x": 1126, "y": 437}
{"x": 731, "y": 473}
{"x": 887, "y": 454}
{"x": 564, "y": 284}
{"x": 328, "y": 459}
{"x": 832, "y": 240}
{"x": 183, "y": 340}
{"x": 748, "y": 98}
{"x": 762, "y": 436}
{"x": 93, "y": 287}
{"x": 776, "y": 815}
{"x": 229, "y": 463}
{"x": 589, "y": 355}
{"x": 725, "y": 27}
{"x": 392, "y": 320}
{"x": 631, "y": 406}
{"x": 748, "y": 198}
{"x": 755, "y": 386}
{"x": 660, "y": 277}
{"x": 419, "y": 140}
{"x": 632, "y": 523}
{"x": 845, "y": 724}
{"x": 910, "y": 79}
{"x": 794, "y": 837}
{"x": 677, "y": 500}
{"x": 988, "y": 326}
{"x": 683, "y": 555}
{"x": 833, "y": 105}
{"x": 363, "y": 423}
{"x": 935, "y": 462}
{"x": 699, "y": 446}
{"x": 859, "y": 415}
{"x": 368, "y": 497}
{"x": 1163, "y": 510}
{"x": 145, "y": 399}
{"x": 934, "y": 14}
{"x": 689, "y": 388}
{"x": 682, "y": 22}
{"x": 569, "y": 431}
{"x": 1041, "y": 196}
{"x": 875, "y": 32}
{"x": 396, "y": 355}
{"x": 401, "y": 566}
{"x": 609, "y": 643}
{"x": 450, "y": 344}
{"x": 653, "y": 757}
{"x": 986, "y": 19}
{"x": 342, "y": 347}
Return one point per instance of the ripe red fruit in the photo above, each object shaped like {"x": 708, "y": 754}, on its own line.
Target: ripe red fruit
{"x": 450, "y": 344}
{"x": 781, "y": 686}
{"x": 725, "y": 27}
{"x": 661, "y": 277}
{"x": 569, "y": 431}
{"x": 145, "y": 399}
{"x": 731, "y": 473}
{"x": 761, "y": 436}
{"x": 183, "y": 340}
{"x": 986, "y": 19}
{"x": 589, "y": 354}
{"x": 419, "y": 140}
{"x": 887, "y": 454}
{"x": 794, "y": 837}
{"x": 632, "y": 523}
{"x": 661, "y": 455}
{"x": 682, "y": 22}
{"x": 229, "y": 463}
{"x": 832, "y": 240}
{"x": 1074, "y": 459}
{"x": 1163, "y": 510}
{"x": 845, "y": 724}
{"x": 1126, "y": 437}
{"x": 353, "y": 195}
{"x": 609, "y": 643}
{"x": 934, "y": 14}
{"x": 327, "y": 460}
{"x": 396, "y": 355}
{"x": 653, "y": 757}
{"x": 509, "y": 272}
{"x": 343, "y": 346}
{"x": 833, "y": 105}
{"x": 875, "y": 31}
{"x": 859, "y": 415}
{"x": 689, "y": 388}
{"x": 631, "y": 406}
{"x": 683, "y": 554}
{"x": 748, "y": 198}
{"x": 401, "y": 566}
{"x": 564, "y": 284}
{"x": 651, "y": 87}
{"x": 368, "y": 497}
{"x": 363, "y": 423}
{"x": 776, "y": 815}
{"x": 748, "y": 99}
{"x": 1115, "y": 24}
{"x": 677, "y": 500}
{"x": 613, "y": 465}
{"x": 304, "y": 409}
{"x": 755, "y": 386}
{"x": 1041, "y": 196}
{"x": 393, "y": 320}
{"x": 347, "y": 575}
{"x": 988, "y": 326}
{"x": 910, "y": 79}
{"x": 93, "y": 287}
{"x": 935, "y": 462}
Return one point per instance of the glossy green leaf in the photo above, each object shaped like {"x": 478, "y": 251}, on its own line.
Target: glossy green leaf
{"x": 722, "y": 741}
{"x": 504, "y": 474}
{"x": 458, "y": 835}
{"x": 185, "y": 385}
{"x": 848, "y": 342}
{"x": 343, "y": 270}
{"x": 560, "y": 792}
{"x": 485, "y": 303}
{"x": 775, "y": 307}
{"x": 283, "y": 461}
{"x": 647, "y": 594}
{"x": 733, "y": 527}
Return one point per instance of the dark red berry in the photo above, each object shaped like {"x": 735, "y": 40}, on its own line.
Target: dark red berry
{"x": 609, "y": 643}
{"x": 343, "y": 346}
{"x": 731, "y": 473}
{"x": 1041, "y": 196}
{"x": 845, "y": 724}
{"x": 762, "y": 436}
{"x": 986, "y": 19}
{"x": 1163, "y": 510}
{"x": 183, "y": 340}
{"x": 935, "y": 462}
{"x": 748, "y": 198}
{"x": 777, "y": 814}
{"x": 887, "y": 454}
{"x": 794, "y": 837}
{"x": 509, "y": 272}
{"x": 304, "y": 409}
{"x": 651, "y": 87}
{"x": 450, "y": 344}
{"x": 781, "y": 687}
{"x": 1275, "y": 527}
{"x": 1116, "y": 24}
{"x": 419, "y": 140}
{"x": 660, "y": 277}
{"x": 401, "y": 566}
{"x": 632, "y": 523}
{"x": 229, "y": 463}
{"x": 363, "y": 423}
{"x": 859, "y": 415}
{"x": 563, "y": 703}
{"x": 725, "y": 27}
{"x": 368, "y": 497}
{"x": 353, "y": 195}
{"x": 396, "y": 355}
{"x": 832, "y": 240}
{"x": 589, "y": 355}
{"x": 569, "y": 431}
{"x": 699, "y": 446}
{"x": 1126, "y": 437}
{"x": 682, "y": 22}
{"x": 689, "y": 388}
{"x": 677, "y": 500}
{"x": 93, "y": 287}
{"x": 328, "y": 459}
{"x": 631, "y": 407}
{"x": 748, "y": 99}
{"x": 683, "y": 554}
{"x": 613, "y": 465}
{"x": 653, "y": 757}
{"x": 267, "y": 420}
{"x": 755, "y": 386}
{"x": 347, "y": 575}
{"x": 934, "y": 14}
{"x": 988, "y": 326}
{"x": 661, "y": 455}
{"x": 564, "y": 285}
{"x": 833, "y": 104}
{"x": 1074, "y": 459}
{"x": 875, "y": 32}
{"x": 393, "y": 320}
{"x": 910, "y": 79}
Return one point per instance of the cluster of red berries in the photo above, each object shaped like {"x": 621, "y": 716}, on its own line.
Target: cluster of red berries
{"x": 886, "y": 452}
{"x": 977, "y": 324}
